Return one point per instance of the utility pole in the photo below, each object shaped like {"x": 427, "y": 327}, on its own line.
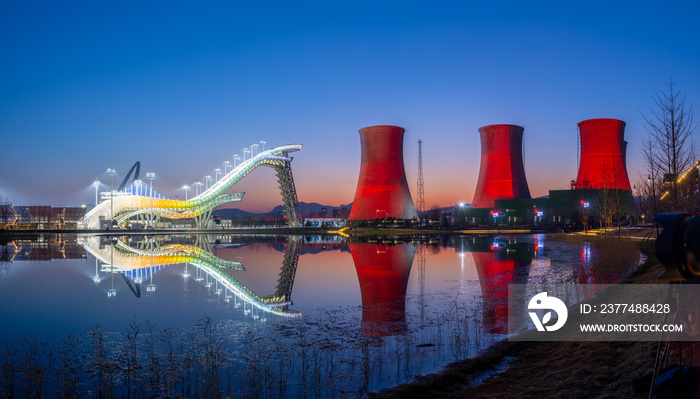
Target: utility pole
{"x": 421, "y": 189}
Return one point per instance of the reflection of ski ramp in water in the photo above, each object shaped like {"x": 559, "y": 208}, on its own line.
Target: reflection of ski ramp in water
{"x": 127, "y": 258}
{"x": 138, "y": 201}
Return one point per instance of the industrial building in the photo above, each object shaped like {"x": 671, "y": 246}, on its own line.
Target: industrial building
{"x": 602, "y": 155}
{"x": 382, "y": 192}
{"x": 40, "y": 217}
{"x": 501, "y": 174}
{"x": 600, "y": 193}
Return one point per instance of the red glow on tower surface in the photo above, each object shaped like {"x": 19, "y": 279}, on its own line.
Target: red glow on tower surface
{"x": 602, "y": 158}
{"x": 382, "y": 190}
{"x": 383, "y": 272}
{"x": 501, "y": 175}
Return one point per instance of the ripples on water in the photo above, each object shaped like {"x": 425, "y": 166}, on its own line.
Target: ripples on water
{"x": 260, "y": 316}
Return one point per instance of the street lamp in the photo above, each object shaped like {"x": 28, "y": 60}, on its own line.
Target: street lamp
{"x": 217, "y": 172}
{"x": 111, "y": 172}
{"x": 227, "y": 164}
{"x": 263, "y": 143}
{"x": 151, "y": 176}
{"x": 245, "y": 151}
{"x": 197, "y": 186}
{"x": 186, "y": 187}
{"x": 236, "y": 158}
{"x": 253, "y": 147}
{"x": 207, "y": 179}
{"x": 96, "y": 184}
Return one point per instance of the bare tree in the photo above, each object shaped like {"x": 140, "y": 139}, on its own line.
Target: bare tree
{"x": 585, "y": 214}
{"x": 608, "y": 200}
{"x": 669, "y": 123}
{"x": 652, "y": 180}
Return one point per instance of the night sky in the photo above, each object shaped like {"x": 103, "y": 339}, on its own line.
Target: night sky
{"x": 86, "y": 86}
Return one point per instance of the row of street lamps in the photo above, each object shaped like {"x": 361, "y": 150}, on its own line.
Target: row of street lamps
{"x": 252, "y": 150}
{"x": 152, "y": 176}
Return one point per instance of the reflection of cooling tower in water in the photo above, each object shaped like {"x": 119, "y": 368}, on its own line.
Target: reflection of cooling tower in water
{"x": 503, "y": 264}
{"x": 383, "y": 271}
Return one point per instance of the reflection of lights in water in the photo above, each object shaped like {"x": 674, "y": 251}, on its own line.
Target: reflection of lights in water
{"x": 586, "y": 252}
{"x": 96, "y": 279}
{"x": 539, "y": 245}
{"x": 225, "y": 285}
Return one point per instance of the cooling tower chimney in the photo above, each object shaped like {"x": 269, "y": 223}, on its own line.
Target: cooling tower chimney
{"x": 602, "y": 155}
{"x": 624, "y": 155}
{"x": 502, "y": 175}
{"x": 382, "y": 189}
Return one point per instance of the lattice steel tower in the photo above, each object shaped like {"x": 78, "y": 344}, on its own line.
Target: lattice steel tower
{"x": 421, "y": 190}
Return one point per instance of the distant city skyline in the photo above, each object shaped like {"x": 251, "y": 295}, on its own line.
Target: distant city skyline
{"x": 86, "y": 87}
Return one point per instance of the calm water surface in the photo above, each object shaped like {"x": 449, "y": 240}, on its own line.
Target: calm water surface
{"x": 272, "y": 315}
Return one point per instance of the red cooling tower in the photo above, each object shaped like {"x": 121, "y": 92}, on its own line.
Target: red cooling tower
{"x": 602, "y": 158}
{"x": 382, "y": 189}
{"x": 383, "y": 271}
{"x": 502, "y": 175}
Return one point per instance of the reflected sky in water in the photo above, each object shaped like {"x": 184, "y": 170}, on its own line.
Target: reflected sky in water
{"x": 44, "y": 294}
{"x": 448, "y": 294}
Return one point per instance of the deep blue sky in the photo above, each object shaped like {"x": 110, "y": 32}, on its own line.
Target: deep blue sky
{"x": 89, "y": 85}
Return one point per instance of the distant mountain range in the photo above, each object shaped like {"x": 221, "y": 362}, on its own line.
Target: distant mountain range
{"x": 313, "y": 208}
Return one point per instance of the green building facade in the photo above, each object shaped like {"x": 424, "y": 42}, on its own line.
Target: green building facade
{"x": 560, "y": 208}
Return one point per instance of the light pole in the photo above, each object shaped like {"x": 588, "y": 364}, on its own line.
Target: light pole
{"x": 236, "y": 158}
{"x": 253, "y": 147}
{"x": 263, "y": 143}
{"x": 197, "y": 186}
{"x": 96, "y": 184}
{"x": 151, "y": 176}
{"x": 227, "y": 164}
{"x": 245, "y": 151}
{"x": 207, "y": 179}
{"x": 111, "y": 172}
{"x": 217, "y": 172}
{"x": 186, "y": 187}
